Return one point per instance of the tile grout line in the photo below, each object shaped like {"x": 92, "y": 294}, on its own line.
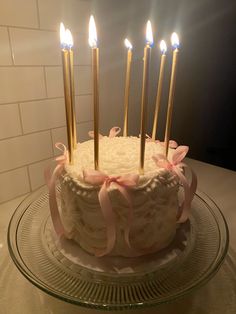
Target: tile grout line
{"x": 15, "y": 197}
{"x": 26, "y": 134}
{"x": 45, "y": 81}
{"x": 77, "y": 33}
{"x": 52, "y": 143}
{"x": 41, "y": 131}
{"x": 40, "y": 65}
{"x": 40, "y": 99}
{"x": 41, "y": 160}
{"x": 10, "y": 44}
{"x": 38, "y": 16}
{"x": 26, "y": 165}
{"x": 21, "y": 122}
{"x": 29, "y": 28}
{"x": 28, "y": 173}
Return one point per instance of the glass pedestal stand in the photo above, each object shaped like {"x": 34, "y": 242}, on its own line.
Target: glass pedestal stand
{"x": 63, "y": 270}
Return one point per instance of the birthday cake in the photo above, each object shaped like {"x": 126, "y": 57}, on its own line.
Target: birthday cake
{"x": 115, "y": 210}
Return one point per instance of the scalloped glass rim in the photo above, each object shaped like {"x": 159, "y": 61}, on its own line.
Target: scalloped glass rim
{"x": 19, "y": 258}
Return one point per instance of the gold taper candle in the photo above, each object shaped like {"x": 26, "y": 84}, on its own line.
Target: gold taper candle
{"x": 144, "y": 100}
{"x": 95, "y": 71}
{"x": 163, "y": 48}
{"x": 67, "y": 88}
{"x": 72, "y": 88}
{"x": 175, "y": 44}
{"x": 95, "y": 65}
{"x": 127, "y": 86}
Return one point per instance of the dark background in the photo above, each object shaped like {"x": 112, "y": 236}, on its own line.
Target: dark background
{"x": 204, "y": 116}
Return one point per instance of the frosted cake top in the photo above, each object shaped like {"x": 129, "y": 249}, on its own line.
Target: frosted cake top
{"x": 117, "y": 156}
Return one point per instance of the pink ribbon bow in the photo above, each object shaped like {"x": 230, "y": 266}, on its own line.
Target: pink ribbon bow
{"x": 172, "y": 144}
{"x": 51, "y": 183}
{"x": 122, "y": 183}
{"x": 112, "y": 133}
{"x": 176, "y": 166}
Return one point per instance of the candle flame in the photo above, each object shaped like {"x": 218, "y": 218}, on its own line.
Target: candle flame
{"x": 69, "y": 39}
{"x": 163, "y": 47}
{"x": 92, "y": 33}
{"x": 66, "y": 37}
{"x": 128, "y": 44}
{"x": 149, "y": 35}
{"x": 62, "y": 35}
{"x": 175, "y": 40}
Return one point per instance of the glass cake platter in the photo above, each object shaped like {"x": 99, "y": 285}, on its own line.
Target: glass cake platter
{"x": 63, "y": 270}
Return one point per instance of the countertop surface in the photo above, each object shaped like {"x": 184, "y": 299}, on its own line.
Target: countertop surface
{"x": 17, "y": 295}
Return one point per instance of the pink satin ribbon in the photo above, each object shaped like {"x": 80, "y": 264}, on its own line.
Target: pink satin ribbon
{"x": 172, "y": 144}
{"x": 112, "y": 133}
{"x": 122, "y": 183}
{"x": 176, "y": 165}
{"x": 51, "y": 183}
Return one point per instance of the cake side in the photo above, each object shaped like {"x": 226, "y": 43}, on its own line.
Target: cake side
{"x": 154, "y": 200}
{"x": 153, "y": 226}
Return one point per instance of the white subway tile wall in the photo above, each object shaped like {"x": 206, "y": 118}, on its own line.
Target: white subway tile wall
{"x": 16, "y": 180}
{"x": 21, "y": 13}
{"x": 73, "y": 12}
{"x": 54, "y": 81}
{"x": 42, "y": 114}
{"x": 32, "y": 110}
{"x": 36, "y": 172}
{"x": 59, "y": 135}
{"x": 9, "y": 127}
{"x": 22, "y": 150}
{"x": 83, "y": 106}
{"x": 21, "y": 84}
{"x": 32, "y": 47}
{"x": 5, "y": 51}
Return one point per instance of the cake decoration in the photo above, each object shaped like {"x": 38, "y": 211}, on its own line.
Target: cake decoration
{"x": 51, "y": 179}
{"x": 112, "y": 133}
{"x": 172, "y": 143}
{"x": 176, "y": 165}
{"x": 107, "y": 210}
{"x": 122, "y": 183}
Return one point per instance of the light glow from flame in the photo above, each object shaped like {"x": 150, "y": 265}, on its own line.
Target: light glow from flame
{"x": 69, "y": 39}
{"x": 128, "y": 44}
{"x": 175, "y": 41}
{"x": 65, "y": 37}
{"x": 163, "y": 47}
{"x": 92, "y": 33}
{"x": 149, "y": 35}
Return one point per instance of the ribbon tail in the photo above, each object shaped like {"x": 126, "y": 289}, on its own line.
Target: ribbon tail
{"x": 51, "y": 183}
{"x": 126, "y": 195}
{"x": 193, "y": 186}
{"x": 184, "y": 207}
{"x": 109, "y": 217}
{"x": 189, "y": 192}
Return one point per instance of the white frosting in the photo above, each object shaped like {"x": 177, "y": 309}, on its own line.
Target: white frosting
{"x": 117, "y": 156}
{"x": 155, "y": 199}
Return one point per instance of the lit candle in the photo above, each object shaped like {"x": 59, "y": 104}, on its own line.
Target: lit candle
{"x": 95, "y": 69}
{"x": 144, "y": 101}
{"x": 175, "y": 45}
{"x": 67, "y": 89}
{"x": 163, "y": 49}
{"x": 72, "y": 86}
{"x": 127, "y": 85}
